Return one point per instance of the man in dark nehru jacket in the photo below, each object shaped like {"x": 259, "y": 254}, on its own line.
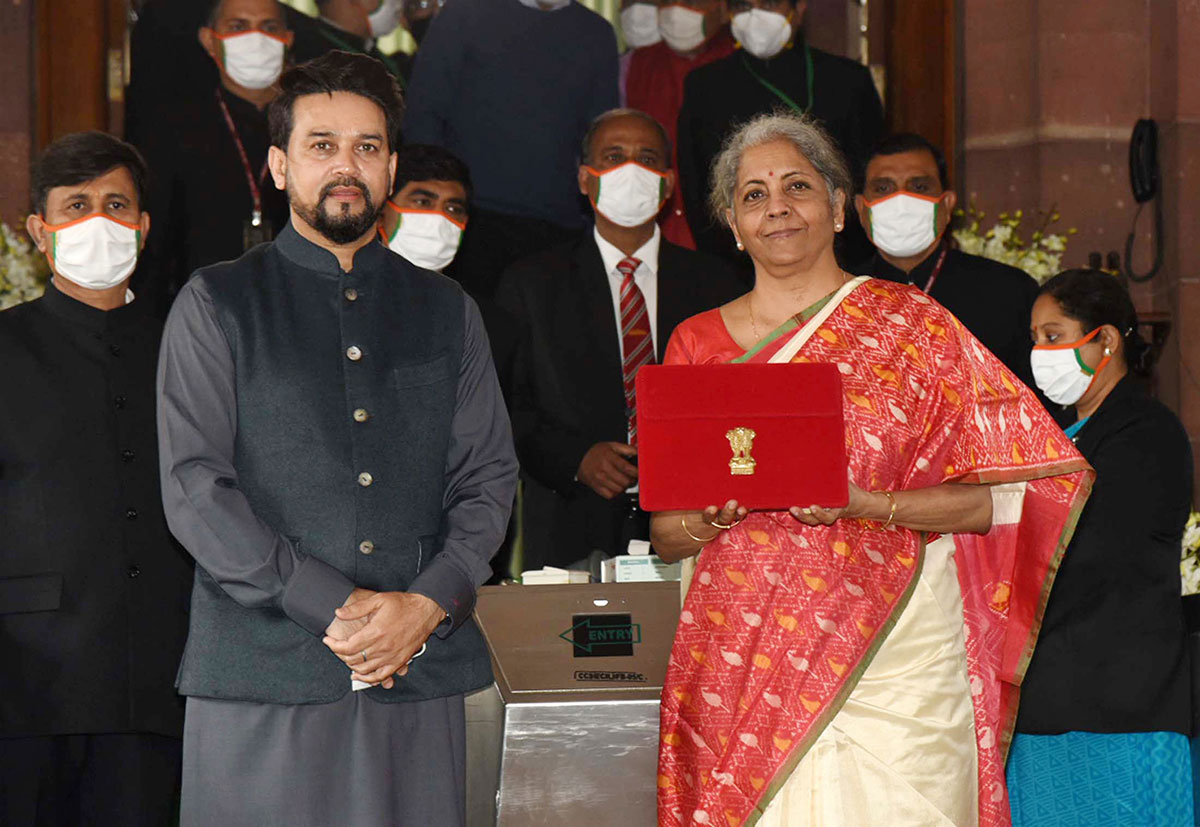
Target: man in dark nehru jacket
{"x": 209, "y": 194}
{"x": 589, "y": 314}
{"x": 906, "y": 206}
{"x": 351, "y": 26}
{"x": 93, "y": 591}
{"x": 337, "y": 457}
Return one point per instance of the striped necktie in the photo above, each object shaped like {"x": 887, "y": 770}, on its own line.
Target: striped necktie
{"x": 637, "y": 345}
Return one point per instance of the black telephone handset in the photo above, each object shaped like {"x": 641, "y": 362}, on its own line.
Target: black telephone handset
{"x": 1144, "y": 181}
{"x": 1143, "y": 160}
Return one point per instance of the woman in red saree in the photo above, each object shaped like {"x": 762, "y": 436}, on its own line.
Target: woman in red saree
{"x": 846, "y": 666}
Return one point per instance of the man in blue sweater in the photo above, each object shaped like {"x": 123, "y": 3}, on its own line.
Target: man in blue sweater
{"x": 510, "y": 87}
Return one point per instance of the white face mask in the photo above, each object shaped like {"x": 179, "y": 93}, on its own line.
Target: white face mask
{"x": 427, "y": 238}
{"x": 253, "y": 59}
{"x": 386, "y": 18}
{"x": 903, "y": 224}
{"x": 762, "y": 33}
{"x": 681, "y": 27}
{"x": 629, "y": 195}
{"x": 639, "y": 24}
{"x": 96, "y": 252}
{"x": 1061, "y": 373}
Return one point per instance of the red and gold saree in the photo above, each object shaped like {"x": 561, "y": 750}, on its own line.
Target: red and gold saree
{"x": 782, "y": 620}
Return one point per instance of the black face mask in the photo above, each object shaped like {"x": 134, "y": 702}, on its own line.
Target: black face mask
{"x": 417, "y": 28}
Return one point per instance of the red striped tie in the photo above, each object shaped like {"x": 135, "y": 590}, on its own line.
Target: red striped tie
{"x": 637, "y": 345}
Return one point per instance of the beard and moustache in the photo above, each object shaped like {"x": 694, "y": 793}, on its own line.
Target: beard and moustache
{"x": 343, "y": 226}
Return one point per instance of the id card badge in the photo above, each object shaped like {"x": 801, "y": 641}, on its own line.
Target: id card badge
{"x": 255, "y": 231}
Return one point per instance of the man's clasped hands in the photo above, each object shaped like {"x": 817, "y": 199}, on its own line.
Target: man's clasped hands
{"x": 377, "y": 634}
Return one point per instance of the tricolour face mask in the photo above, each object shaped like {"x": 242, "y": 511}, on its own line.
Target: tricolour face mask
{"x": 1061, "y": 373}
{"x": 762, "y": 33}
{"x": 96, "y": 252}
{"x": 427, "y": 238}
{"x": 386, "y": 18}
{"x": 639, "y": 24}
{"x": 629, "y": 195}
{"x": 903, "y": 224}
{"x": 253, "y": 59}
{"x": 681, "y": 27}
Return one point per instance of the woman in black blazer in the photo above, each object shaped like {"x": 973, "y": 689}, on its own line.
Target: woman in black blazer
{"x": 1102, "y": 732}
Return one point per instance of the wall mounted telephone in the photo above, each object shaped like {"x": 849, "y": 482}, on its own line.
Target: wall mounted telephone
{"x": 1144, "y": 181}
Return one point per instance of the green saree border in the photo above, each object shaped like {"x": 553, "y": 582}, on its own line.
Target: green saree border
{"x": 787, "y": 327}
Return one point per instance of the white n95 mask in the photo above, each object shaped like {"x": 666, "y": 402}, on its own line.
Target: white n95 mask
{"x": 762, "y": 33}
{"x": 629, "y": 195}
{"x": 681, "y": 27}
{"x": 96, "y": 252}
{"x": 639, "y": 24}
{"x": 1061, "y": 373}
{"x": 386, "y": 18}
{"x": 427, "y": 238}
{"x": 903, "y": 224}
{"x": 253, "y": 59}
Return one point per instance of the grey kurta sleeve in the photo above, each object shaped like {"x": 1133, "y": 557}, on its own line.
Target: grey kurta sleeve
{"x": 197, "y": 422}
{"x": 481, "y": 480}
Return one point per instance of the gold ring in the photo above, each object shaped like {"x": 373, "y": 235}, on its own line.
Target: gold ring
{"x": 364, "y": 654}
{"x": 724, "y": 527}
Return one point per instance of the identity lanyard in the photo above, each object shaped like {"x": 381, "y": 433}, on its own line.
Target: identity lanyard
{"x": 937, "y": 269}
{"x": 256, "y": 217}
{"x": 779, "y": 93}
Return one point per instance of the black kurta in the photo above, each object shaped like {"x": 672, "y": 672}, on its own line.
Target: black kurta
{"x": 93, "y": 590}
{"x": 724, "y": 94}
{"x": 200, "y": 197}
{"x": 1111, "y": 655}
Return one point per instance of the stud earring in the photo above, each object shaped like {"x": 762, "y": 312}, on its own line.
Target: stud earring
{"x": 1107, "y": 352}
{"x": 741, "y": 246}
{"x": 837, "y": 228}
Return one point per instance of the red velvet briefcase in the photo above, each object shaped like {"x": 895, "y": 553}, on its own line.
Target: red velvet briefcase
{"x": 769, "y": 436}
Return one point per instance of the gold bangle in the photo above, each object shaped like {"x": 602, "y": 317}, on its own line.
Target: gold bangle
{"x": 892, "y": 514}
{"x": 701, "y": 540}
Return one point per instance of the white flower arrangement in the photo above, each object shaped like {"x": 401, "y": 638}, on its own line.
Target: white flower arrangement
{"x": 1189, "y": 562}
{"x": 23, "y": 269}
{"x": 1040, "y": 257}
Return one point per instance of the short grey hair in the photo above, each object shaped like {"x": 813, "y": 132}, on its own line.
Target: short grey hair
{"x": 801, "y": 131}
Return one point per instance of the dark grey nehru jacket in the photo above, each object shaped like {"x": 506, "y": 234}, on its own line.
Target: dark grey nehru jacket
{"x": 318, "y": 431}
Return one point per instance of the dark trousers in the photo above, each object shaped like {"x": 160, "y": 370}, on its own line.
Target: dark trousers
{"x": 495, "y": 240}
{"x": 118, "y": 780}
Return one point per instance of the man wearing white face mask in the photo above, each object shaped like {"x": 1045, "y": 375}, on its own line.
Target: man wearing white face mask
{"x": 93, "y": 590}
{"x": 906, "y": 206}
{"x": 695, "y": 33}
{"x": 210, "y": 193}
{"x": 353, "y": 26}
{"x": 590, "y": 314}
{"x": 774, "y": 68}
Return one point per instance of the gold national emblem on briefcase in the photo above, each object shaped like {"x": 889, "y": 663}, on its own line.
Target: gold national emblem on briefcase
{"x": 741, "y": 441}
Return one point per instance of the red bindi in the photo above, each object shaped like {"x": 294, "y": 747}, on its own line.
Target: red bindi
{"x": 772, "y": 174}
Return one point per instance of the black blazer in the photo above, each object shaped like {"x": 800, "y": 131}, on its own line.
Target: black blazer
{"x": 1111, "y": 656}
{"x": 567, "y": 389}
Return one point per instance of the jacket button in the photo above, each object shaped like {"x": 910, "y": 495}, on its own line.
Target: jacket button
{"x": 119, "y": 402}
{"x": 353, "y": 353}
{"x": 133, "y": 571}
{"x": 131, "y": 514}
{"x": 365, "y": 479}
{"x": 351, "y": 294}
{"x": 361, "y": 415}
{"x": 366, "y": 547}
{"x": 127, "y": 455}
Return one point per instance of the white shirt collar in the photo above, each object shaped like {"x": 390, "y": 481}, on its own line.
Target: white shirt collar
{"x": 546, "y": 5}
{"x": 647, "y": 253}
